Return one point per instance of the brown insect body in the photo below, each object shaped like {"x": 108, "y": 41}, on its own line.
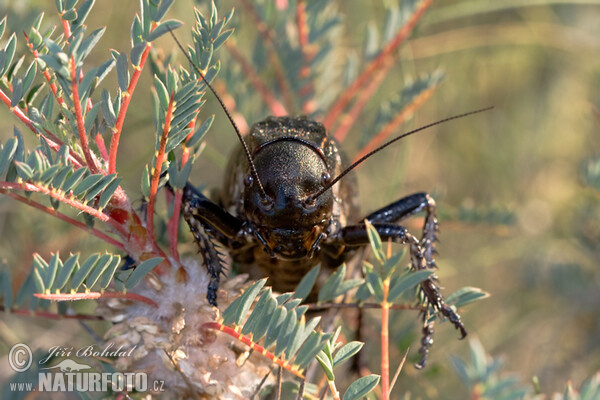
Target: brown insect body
{"x": 294, "y": 158}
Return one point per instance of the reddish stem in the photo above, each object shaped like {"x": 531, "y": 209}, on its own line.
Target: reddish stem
{"x": 265, "y": 32}
{"x": 160, "y": 159}
{"x": 66, "y": 27}
{"x": 307, "y": 56}
{"x": 101, "y": 146}
{"x": 349, "y": 94}
{"x": 385, "y": 351}
{"x": 91, "y": 162}
{"x": 30, "y": 187}
{"x": 259, "y": 349}
{"x": 398, "y": 119}
{"x": 347, "y": 120}
{"x": 46, "y": 73}
{"x": 114, "y": 140}
{"x": 276, "y": 107}
{"x": 74, "y": 222}
{"x": 95, "y": 296}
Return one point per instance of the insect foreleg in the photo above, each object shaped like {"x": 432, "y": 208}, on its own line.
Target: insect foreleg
{"x": 406, "y": 207}
{"x": 210, "y": 222}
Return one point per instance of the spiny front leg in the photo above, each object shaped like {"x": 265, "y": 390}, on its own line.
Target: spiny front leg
{"x": 357, "y": 235}
{"x": 209, "y": 223}
{"x": 406, "y": 207}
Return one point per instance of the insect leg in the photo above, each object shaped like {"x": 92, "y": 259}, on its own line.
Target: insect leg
{"x": 210, "y": 223}
{"x": 406, "y": 207}
{"x": 356, "y": 235}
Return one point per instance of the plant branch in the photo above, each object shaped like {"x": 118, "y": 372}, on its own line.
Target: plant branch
{"x": 274, "y": 105}
{"x": 91, "y": 162}
{"x": 378, "y": 62}
{"x": 348, "y": 120}
{"x": 398, "y": 119}
{"x": 259, "y": 349}
{"x": 59, "y": 215}
{"x": 385, "y": 342}
{"x": 31, "y": 187}
{"x": 96, "y": 296}
{"x": 114, "y": 140}
{"x": 265, "y": 32}
{"x": 46, "y": 73}
{"x": 160, "y": 159}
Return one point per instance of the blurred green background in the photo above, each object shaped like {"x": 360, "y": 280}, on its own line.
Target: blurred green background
{"x": 516, "y": 186}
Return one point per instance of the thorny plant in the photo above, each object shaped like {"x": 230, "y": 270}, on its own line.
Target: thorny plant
{"x": 162, "y": 298}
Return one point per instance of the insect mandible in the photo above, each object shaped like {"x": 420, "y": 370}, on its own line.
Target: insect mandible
{"x": 288, "y": 204}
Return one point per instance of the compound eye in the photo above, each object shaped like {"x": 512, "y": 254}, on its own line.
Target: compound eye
{"x": 325, "y": 178}
{"x": 248, "y": 180}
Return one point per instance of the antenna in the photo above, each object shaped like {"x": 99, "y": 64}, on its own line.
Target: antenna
{"x": 356, "y": 163}
{"x": 264, "y": 196}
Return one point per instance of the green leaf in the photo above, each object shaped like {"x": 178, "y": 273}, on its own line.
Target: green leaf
{"x": 88, "y": 44}
{"x": 391, "y": 264}
{"x": 9, "y": 53}
{"x": 361, "y": 387}
{"x": 375, "y": 285}
{"x": 86, "y": 184}
{"x": 261, "y": 326}
{"x": 346, "y": 352}
{"x": 103, "y": 263}
{"x": 141, "y": 270}
{"x": 110, "y": 271}
{"x": 275, "y": 325}
{"x": 375, "y": 241}
{"x": 310, "y": 349}
{"x": 163, "y": 28}
{"x": 24, "y": 170}
{"x": 329, "y": 289}
{"x": 307, "y": 283}
{"x": 7, "y": 154}
{"x": 73, "y": 179}
{"x": 407, "y": 281}
{"x": 161, "y": 91}
{"x": 84, "y": 271}
{"x": 98, "y": 187}
{"x": 90, "y": 117}
{"x": 6, "y": 285}
{"x": 136, "y": 53}
{"x": 108, "y": 193}
{"x": 122, "y": 72}
{"x": 326, "y": 365}
{"x": 287, "y": 328}
{"x": 2, "y": 26}
{"x": 200, "y": 132}
{"x": 65, "y": 272}
{"x": 107, "y": 109}
{"x": 466, "y": 295}
{"x": 53, "y": 267}
{"x": 83, "y": 12}
{"x": 162, "y": 9}
{"x": 240, "y": 306}
{"x": 258, "y": 312}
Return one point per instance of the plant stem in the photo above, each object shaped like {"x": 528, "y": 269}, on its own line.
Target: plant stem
{"x": 96, "y": 295}
{"x": 378, "y": 62}
{"x": 91, "y": 162}
{"x": 385, "y": 351}
{"x": 74, "y": 222}
{"x": 114, "y": 140}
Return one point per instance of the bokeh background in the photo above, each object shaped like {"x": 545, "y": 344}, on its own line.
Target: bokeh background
{"x": 517, "y": 187}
